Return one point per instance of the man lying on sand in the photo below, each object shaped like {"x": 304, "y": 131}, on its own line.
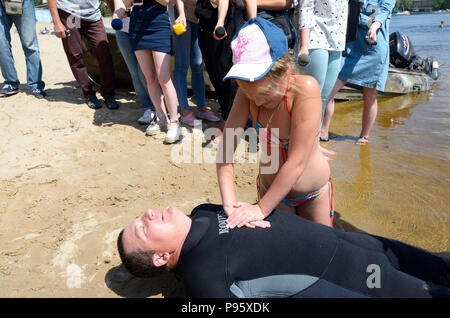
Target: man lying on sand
{"x": 291, "y": 257}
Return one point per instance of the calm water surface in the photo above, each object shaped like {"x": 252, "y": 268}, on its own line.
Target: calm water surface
{"x": 398, "y": 185}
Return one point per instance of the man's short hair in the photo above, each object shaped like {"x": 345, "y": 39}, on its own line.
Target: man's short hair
{"x": 139, "y": 263}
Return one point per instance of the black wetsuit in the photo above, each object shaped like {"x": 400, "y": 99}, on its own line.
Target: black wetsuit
{"x": 299, "y": 258}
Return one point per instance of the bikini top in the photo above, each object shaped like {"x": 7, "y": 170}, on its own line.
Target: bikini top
{"x": 265, "y": 134}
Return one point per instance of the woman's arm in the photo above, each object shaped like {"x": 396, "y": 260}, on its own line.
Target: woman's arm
{"x": 276, "y": 5}
{"x": 181, "y": 14}
{"x": 163, "y": 2}
{"x": 385, "y": 10}
{"x": 250, "y": 8}
{"x": 237, "y": 118}
{"x": 306, "y": 22}
{"x": 305, "y": 119}
{"x": 118, "y": 8}
{"x": 382, "y": 11}
{"x": 222, "y": 13}
{"x": 127, "y": 3}
{"x": 304, "y": 40}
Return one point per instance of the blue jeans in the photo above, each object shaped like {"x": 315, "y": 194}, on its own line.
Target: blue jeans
{"x": 324, "y": 67}
{"x": 187, "y": 53}
{"x": 137, "y": 77}
{"x": 26, "y": 26}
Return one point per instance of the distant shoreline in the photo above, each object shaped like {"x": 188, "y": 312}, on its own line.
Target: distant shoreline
{"x": 406, "y": 12}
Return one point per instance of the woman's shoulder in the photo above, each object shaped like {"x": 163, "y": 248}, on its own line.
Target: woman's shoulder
{"x": 306, "y": 92}
{"x": 306, "y": 83}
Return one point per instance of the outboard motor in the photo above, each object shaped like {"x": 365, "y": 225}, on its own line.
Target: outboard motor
{"x": 402, "y": 55}
{"x": 401, "y": 52}
{"x": 429, "y": 66}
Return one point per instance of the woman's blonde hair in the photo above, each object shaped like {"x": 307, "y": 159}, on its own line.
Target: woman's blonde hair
{"x": 280, "y": 68}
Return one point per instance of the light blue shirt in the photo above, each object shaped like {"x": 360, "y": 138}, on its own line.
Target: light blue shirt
{"x": 84, "y": 9}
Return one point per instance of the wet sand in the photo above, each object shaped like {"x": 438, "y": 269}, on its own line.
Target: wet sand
{"x": 71, "y": 178}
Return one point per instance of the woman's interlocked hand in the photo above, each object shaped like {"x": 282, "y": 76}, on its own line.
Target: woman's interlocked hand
{"x": 246, "y": 214}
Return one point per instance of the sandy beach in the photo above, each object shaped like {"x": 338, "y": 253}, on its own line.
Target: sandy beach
{"x": 71, "y": 178}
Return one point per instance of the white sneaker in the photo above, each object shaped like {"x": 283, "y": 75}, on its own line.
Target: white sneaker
{"x": 155, "y": 128}
{"x": 147, "y": 117}
{"x": 173, "y": 134}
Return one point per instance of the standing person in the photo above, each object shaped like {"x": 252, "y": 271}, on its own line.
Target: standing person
{"x": 286, "y": 111}
{"x": 83, "y": 19}
{"x": 26, "y": 26}
{"x": 365, "y": 63}
{"x": 188, "y": 54}
{"x": 216, "y": 54}
{"x": 322, "y": 29}
{"x": 123, "y": 40}
{"x": 152, "y": 44}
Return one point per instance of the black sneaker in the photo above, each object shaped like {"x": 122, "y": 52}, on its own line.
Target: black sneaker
{"x": 39, "y": 93}
{"x": 111, "y": 103}
{"x": 93, "y": 102}
{"x": 8, "y": 90}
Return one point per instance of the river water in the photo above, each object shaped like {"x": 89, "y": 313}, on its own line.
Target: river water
{"x": 398, "y": 185}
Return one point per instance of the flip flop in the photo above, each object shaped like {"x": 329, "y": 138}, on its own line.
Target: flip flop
{"x": 362, "y": 141}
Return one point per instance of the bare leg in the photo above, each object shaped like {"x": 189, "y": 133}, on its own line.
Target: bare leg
{"x": 145, "y": 60}
{"x": 162, "y": 66}
{"x": 369, "y": 113}
{"x": 329, "y": 109}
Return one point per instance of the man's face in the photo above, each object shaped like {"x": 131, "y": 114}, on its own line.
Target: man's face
{"x": 156, "y": 229}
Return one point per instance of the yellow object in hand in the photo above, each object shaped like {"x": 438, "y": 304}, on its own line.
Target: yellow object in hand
{"x": 179, "y": 28}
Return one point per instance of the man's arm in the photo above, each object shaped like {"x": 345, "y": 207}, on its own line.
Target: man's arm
{"x": 58, "y": 26}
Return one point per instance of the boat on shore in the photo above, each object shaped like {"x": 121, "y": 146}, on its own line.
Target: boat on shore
{"x": 399, "y": 82}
